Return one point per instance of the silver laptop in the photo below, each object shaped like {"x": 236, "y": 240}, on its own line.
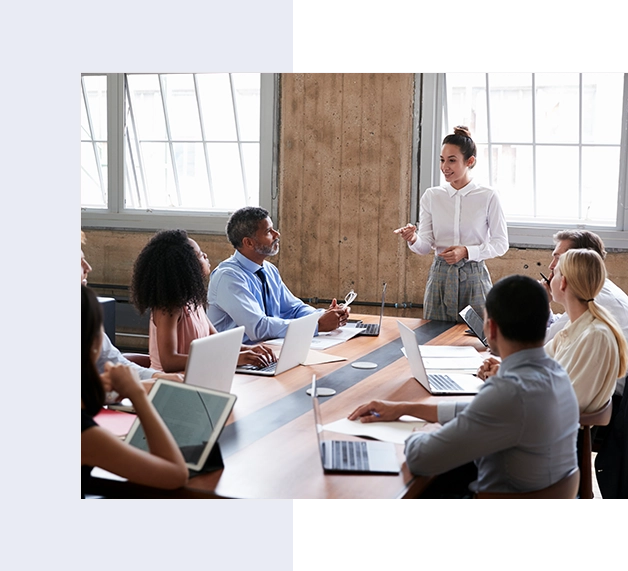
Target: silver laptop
{"x": 294, "y": 350}
{"x": 195, "y": 417}
{"x": 435, "y": 383}
{"x": 212, "y": 360}
{"x": 356, "y": 456}
{"x": 475, "y": 323}
{"x": 373, "y": 329}
{"x": 211, "y": 364}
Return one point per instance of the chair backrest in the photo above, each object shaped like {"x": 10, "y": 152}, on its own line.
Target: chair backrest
{"x": 565, "y": 489}
{"x": 598, "y": 418}
{"x": 139, "y": 359}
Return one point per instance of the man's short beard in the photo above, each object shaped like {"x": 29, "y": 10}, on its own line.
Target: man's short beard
{"x": 268, "y": 250}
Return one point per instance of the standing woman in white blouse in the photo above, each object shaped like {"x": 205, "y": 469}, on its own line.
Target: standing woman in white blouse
{"x": 464, "y": 223}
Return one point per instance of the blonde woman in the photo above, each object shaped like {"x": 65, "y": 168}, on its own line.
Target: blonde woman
{"x": 591, "y": 347}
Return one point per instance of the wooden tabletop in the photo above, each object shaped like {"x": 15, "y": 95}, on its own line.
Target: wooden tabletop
{"x": 269, "y": 445}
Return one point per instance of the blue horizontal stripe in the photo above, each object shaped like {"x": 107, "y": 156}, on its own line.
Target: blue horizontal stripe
{"x": 463, "y": 67}
{"x": 462, "y": 28}
{"x": 459, "y": 35}
{"x": 467, "y": 20}
{"x": 483, "y": 43}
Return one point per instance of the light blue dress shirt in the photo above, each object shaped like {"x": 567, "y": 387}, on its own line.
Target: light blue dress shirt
{"x": 520, "y": 428}
{"x": 235, "y": 298}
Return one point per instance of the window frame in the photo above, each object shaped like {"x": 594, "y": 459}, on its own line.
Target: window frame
{"x": 116, "y": 216}
{"x": 428, "y": 135}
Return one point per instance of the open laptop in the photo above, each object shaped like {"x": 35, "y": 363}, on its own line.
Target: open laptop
{"x": 211, "y": 363}
{"x": 194, "y": 415}
{"x": 475, "y": 323}
{"x": 294, "y": 350}
{"x": 435, "y": 383}
{"x": 212, "y": 360}
{"x": 355, "y": 456}
{"x": 373, "y": 329}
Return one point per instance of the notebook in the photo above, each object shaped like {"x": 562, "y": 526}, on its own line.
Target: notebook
{"x": 212, "y": 360}
{"x": 435, "y": 383}
{"x": 194, "y": 415}
{"x": 294, "y": 350}
{"x": 372, "y": 329}
{"x": 475, "y": 323}
{"x": 355, "y": 456}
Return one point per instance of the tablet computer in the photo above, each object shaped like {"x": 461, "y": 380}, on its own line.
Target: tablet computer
{"x": 194, "y": 415}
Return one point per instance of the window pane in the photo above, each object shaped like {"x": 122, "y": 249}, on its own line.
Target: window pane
{"x": 600, "y": 184}
{"x": 511, "y": 107}
{"x": 247, "y": 98}
{"x": 94, "y": 141}
{"x": 557, "y": 183}
{"x": 147, "y": 107}
{"x": 192, "y": 173}
{"x": 217, "y": 107}
{"x": 228, "y": 187}
{"x": 93, "y": 194}
{"x": 557, "y": 107}
{"x": 159, "y": 176}
{"x": 466, "y": 104}
{"x": 250, "y": 152}
{"x": 602, "y": 107}
{"x": 181, "y": 107}
{"x": 152, "y": 181}
{"x": 513, "y": 178}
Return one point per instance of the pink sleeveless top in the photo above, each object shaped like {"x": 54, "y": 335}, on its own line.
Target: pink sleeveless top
{"x": 192, "y": 324}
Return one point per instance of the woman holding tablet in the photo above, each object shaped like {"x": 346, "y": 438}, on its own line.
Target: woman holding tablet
{"x": 463, "y": 222}
{"x": 162, "y": 467}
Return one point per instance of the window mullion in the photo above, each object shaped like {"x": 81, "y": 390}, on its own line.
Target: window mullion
{"x": 488, "y": 131}
{"x": 534, "y": 202}
{"x": 115, "y": 141}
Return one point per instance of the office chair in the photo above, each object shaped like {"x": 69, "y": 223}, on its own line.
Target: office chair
{"x": 139, "y": 359}
{"x": 565, "y": 489}
{"x": 599, "y": 418}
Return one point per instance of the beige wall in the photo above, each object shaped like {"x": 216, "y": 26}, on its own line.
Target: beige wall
{"x": 344, "y": 184}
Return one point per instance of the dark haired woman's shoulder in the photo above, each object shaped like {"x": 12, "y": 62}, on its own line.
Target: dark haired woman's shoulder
{"x": 86, "y": 421}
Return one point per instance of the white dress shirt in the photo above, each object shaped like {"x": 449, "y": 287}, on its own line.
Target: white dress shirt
{"x": 471, "y": 217}
{"x": 588, "y": 351}
{"x": 611, "y": 298}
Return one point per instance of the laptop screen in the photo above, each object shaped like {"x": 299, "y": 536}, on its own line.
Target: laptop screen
{"x": 195, "y": 416}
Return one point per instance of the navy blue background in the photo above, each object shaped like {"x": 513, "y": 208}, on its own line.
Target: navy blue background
{"x": 45, "y": 46}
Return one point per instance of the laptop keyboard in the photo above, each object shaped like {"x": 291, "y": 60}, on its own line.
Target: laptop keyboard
{"x": 267, "y": 369}
{"x": 371, "y": 328}
{"x": 443, "y": 383}
{"x": 349, "y": 454}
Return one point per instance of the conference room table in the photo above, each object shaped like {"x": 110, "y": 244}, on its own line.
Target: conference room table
{"x": 269, "y": 445}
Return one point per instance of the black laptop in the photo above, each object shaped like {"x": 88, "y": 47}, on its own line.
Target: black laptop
{"x": 475, "y": 323}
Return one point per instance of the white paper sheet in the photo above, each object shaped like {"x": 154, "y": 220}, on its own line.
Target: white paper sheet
{"x": 396, "y": 431}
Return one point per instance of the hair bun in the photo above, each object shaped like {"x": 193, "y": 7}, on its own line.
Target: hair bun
{"x": 462, "y": 130}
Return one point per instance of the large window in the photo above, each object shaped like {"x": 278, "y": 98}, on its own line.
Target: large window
{"x": 161, "y": 150}
{"x": 553, "y": 144}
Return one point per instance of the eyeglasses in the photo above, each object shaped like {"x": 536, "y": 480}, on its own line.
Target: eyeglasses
{"x": 349, "y": 298}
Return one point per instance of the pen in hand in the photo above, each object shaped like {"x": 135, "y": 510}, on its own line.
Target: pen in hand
{"x": 546, "y": 280}
{"x": 374, "y": 413}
